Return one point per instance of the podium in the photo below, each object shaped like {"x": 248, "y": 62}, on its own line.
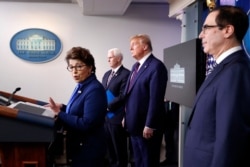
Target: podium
{"x": 24, "y": 137}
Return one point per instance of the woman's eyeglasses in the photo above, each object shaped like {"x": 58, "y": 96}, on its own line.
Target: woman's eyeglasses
{"x": 79, "y": 67}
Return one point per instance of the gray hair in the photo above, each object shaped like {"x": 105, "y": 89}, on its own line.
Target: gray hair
{"x": 116, "y": 52}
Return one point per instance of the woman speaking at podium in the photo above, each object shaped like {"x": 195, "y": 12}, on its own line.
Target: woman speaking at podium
{"x": 83, "y": 117}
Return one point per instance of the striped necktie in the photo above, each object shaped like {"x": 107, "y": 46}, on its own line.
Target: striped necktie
{"x": 110, "y": 76}
{"x": 210, "y": 64}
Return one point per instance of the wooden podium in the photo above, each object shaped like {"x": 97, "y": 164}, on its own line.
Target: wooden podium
{"x": 24, "y": 137}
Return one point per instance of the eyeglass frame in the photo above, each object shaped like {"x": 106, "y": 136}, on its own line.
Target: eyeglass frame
{"x": 206, "y": 27}
{"x": 78, "y": 67}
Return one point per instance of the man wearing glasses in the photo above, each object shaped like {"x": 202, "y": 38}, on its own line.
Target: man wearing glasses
{"x": 218, "y": 132}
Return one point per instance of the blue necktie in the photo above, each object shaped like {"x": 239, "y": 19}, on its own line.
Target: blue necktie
{"x": 73, "y": 97}
{"x": 211, "y": 64}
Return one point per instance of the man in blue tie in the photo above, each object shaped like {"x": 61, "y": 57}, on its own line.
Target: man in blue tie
{"x": 218, "y": 132}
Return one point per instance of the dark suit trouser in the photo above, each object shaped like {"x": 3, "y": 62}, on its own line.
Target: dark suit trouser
{"x": 171, "y": 132}
{"x": 117, "y": 145}
{"x": 147, "y": 151}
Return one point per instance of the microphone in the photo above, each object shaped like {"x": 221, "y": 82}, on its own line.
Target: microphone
{"x": 10, "y": 98}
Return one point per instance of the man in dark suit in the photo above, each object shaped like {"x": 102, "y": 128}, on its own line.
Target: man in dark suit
{"x": 114, "y": 81}
{"x": 218, "y": 132}
{"x": 145, "y": 112}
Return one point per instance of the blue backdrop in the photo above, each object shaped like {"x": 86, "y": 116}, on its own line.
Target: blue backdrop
{"x": 245, "y": 4}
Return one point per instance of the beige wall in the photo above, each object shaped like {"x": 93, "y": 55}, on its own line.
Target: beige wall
{"x": 97, "y": 33}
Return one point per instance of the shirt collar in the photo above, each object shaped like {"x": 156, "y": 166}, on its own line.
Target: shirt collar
{"x": 117, "y": 68}
{"x": 227, "y": 53}
{"x": 144, "y": 59}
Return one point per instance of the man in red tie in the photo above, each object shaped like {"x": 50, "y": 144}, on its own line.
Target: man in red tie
{"x": 145, "y": 107}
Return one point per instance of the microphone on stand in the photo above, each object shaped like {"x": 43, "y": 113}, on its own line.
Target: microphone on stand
{"x": 10, "y": 98}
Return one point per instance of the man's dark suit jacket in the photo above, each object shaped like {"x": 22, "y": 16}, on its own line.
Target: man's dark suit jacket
{"x": 218, "y": 134}
{"x": 145, "y": 101}
{"x": 116, "y": 86}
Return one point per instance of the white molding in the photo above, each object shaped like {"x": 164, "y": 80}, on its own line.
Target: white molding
{"x": 104, "y": 7}
{"x": 176, "y": 6}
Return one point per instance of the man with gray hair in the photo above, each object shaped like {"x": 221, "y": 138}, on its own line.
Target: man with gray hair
{"x": 114, "y": 81}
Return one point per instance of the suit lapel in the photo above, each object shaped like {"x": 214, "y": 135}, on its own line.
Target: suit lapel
{"x": 211, "y": 77}
{"x": 142, "y": 69}
{"x": 144, "y": 66}
{"x": 116, "y": 74}
{"x": 216, "y": 72}
{"x": 208, "y": 80}
{"x": 105, "y": 80}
